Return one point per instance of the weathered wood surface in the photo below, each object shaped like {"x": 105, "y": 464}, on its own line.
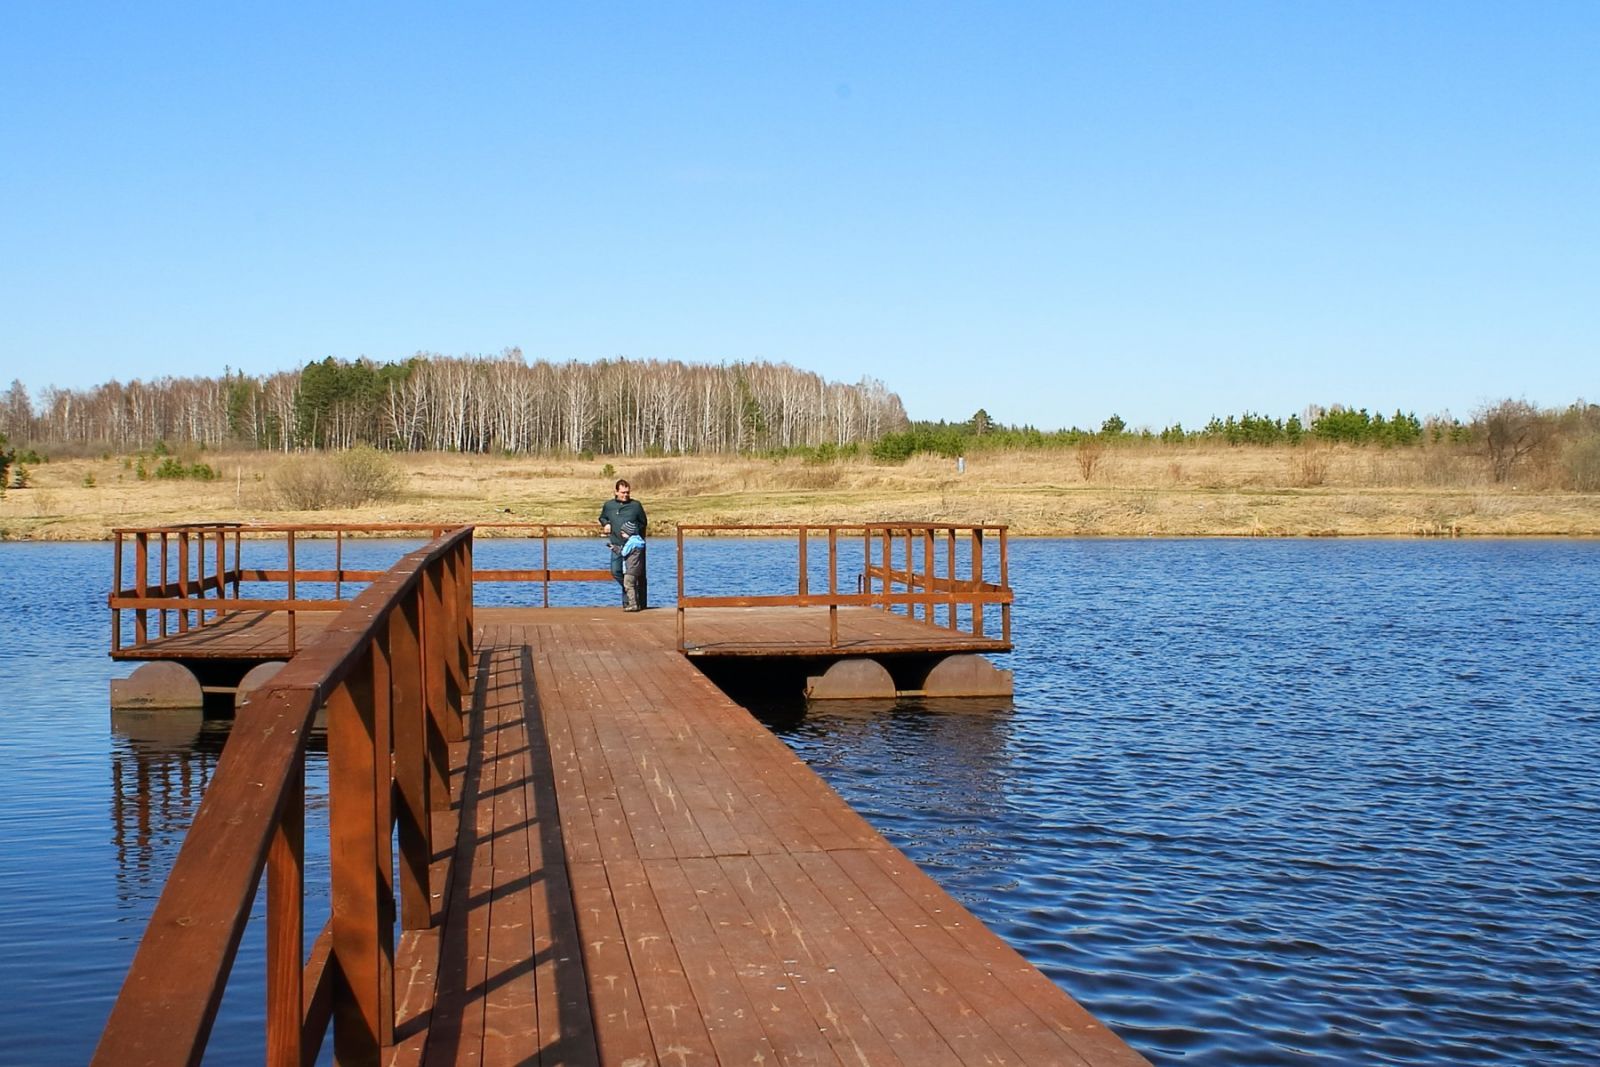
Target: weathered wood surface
{"x": 755, "y": 632}
{"x": 645, "y": 874}
{"x": 256, "y": 636}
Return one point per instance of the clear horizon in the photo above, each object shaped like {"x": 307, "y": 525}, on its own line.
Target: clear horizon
{"x": 1054, "y": 214}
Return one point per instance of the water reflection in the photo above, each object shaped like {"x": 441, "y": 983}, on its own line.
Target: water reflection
{"x": 160, "y": 765}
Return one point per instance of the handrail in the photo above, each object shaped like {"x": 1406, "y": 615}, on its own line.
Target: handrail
{"x": 391, "y": 670}
{"x": 183, "y": 579}
{"x": 877, "y": 584}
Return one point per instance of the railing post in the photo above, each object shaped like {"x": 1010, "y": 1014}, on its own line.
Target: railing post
{"x": 449, "y": 648}
{"x": 183, "y": 581}
{"x": 866, "y": 563}
{"x": 200, "y": 576}
{"x": 116, "y": 591}
{"x": 435, "y": 721}
{"x": 544, "y": 541}
{"x": 464, "y": 618}
{"x": 833, "y": 587}
{"x": 238, "y": 564}
{"x": 361, "y": 939}
{"x": 222, "y": 567}
{"x": 888, "y": 569}
{"x": 804, "y": 578}
{"x": 681, "y": 645}
{"x": 161, "y": 615}
{"x": 928, "y": 611}
{"x": 977, "y": 580}
{"x": 290, "y": 562}
{"x": 141, "y": 585}
{"x": 411, "y": 765}
{"x": 338, "y": 564}
{"x": 383, "y": 823}
{"x": 286, "y": 928}
{"x": 1005, "y": 583}
{"x": 950, "y": 572}
{"x": 911, "y": 584}
{"x": 436, "y": 638}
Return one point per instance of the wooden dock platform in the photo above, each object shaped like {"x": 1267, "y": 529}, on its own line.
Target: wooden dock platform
{"x": 645, "y": 874}
{"x": 595, "y": 855}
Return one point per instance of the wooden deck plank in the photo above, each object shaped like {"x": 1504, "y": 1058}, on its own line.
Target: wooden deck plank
{"x": 676, "y": 1025}
{"x": 791, "y": 1026}
{"x": 578, "y": 832}
{"x": 509, "y": 998}
{"x": 575, "y": 696}
{"x": 946, "y": 1007}
{"x": 660, "y": 756}
{"x": 969, "y": 939}
{"x": 566, "y": 1025}
{"x": 713, "y": 798}
{"x": 854, "y": 1003}
{"x": 455, "y": 1032}
{"x": 731, "y": 1020}
{"x": 645, "y": 874}
{"x": 622, "y": 1030}
{"x": 951, "y": 986}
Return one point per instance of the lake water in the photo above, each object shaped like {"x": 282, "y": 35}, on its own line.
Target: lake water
{"x": 1255, "y": 802}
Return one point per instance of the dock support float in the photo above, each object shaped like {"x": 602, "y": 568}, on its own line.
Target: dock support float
{"x": 157, "y": 686}
{"x": 862, "y": 678}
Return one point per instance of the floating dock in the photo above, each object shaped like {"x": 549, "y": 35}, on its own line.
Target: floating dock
{"x": 618, "y": 864}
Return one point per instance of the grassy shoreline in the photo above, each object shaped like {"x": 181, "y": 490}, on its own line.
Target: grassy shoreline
{"x": 1136, "y": 492}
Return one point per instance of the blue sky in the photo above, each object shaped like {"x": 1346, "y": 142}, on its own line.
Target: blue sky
{"x": 1053, "y": 211}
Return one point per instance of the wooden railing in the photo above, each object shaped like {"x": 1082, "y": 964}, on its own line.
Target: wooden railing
{"x": 924, "y": 581}
{"x": 391, "y": 671}
{"x": 183, "y": 579}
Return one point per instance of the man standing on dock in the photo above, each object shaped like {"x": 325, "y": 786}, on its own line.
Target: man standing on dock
{"x": 613, "y": 513}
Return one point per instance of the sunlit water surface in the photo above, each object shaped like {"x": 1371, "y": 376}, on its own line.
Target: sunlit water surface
{"x": 1254, "y": 802}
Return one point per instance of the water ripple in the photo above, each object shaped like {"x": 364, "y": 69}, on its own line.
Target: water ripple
{"x": 1271, "y": 803}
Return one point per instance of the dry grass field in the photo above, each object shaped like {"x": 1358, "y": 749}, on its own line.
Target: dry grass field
{"x": 1134, "y": 491}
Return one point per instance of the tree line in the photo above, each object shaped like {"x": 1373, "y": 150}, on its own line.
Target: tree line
{"x": 1509, "y": 435}
{"x": 469, "y": 404}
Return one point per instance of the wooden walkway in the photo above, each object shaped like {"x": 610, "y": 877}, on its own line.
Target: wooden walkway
{"x": 644, "y": 874}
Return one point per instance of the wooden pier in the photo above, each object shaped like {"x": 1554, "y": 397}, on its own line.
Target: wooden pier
{"x": 602, "y": 858}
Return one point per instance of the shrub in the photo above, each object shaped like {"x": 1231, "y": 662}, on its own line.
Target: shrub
{"x": 303, "y": 483}
{"x": 1308, "y": 468}
{"x": 1445, "y": 466}
{"x": 656, "y": 477}
{"x": 608, "y": 471}
{"x": 1090, "y": 451}
{"x": 1581, "y": 464}
{"x": 894, "y": 447}
{"x": 363, "y": 474}
{"x": 173, "y": 468}
{"x": 88, "y": 480}
{"x": 1511, "y": 430}
{"x": 360, "y": 476}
